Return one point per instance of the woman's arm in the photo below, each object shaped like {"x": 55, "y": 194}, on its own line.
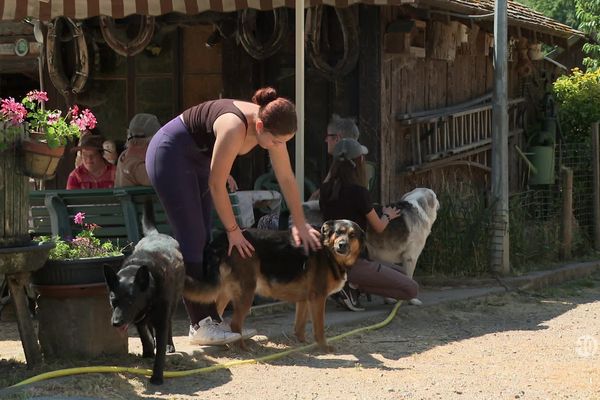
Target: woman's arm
{"x": 229, "y": 140}
{"x": 380, "y": 223}
{"x": 287, "y": 182}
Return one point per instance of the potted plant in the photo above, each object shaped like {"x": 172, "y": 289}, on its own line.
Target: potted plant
{"x": 46, "y": 131}
{"x": 80, "y": 260}
{"x": 73, "y": 311}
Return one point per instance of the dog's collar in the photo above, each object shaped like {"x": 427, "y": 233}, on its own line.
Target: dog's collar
{"x": 140, "y": 318}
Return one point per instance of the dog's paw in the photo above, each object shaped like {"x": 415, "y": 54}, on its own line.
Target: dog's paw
{"x": 415, "y": 302}
{"x": 301, "y": 337}
{"x": 170, "y": 348}
{"x": 326, "y": 348}
{"x": 156, "y": 380}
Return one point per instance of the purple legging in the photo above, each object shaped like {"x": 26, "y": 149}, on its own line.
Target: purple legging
{"x": 382, "y": 279}
{"x": 179, "y": 172}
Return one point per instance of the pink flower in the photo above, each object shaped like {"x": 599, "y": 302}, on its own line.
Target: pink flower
{"x": 79, "y": 217}
{"x": 85, "y": 120}
{"x": 36, "y": 95}
{"x": 53, "y": 117}
{"x": 13, "y": 111}
{"x": 74, "y": 111}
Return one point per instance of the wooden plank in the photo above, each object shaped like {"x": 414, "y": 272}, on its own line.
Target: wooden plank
{"x": 369, "y": 86}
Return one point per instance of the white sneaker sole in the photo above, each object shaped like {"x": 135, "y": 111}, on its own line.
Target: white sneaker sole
{"x": 415, "y": 302}
{"x": 248, "y": 333}
{"x": 215, "y": 342}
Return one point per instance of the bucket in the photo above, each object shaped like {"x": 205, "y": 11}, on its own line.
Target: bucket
{"x": 542, "y": 158}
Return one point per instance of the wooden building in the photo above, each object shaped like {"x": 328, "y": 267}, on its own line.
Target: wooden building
{"x": 417, "y": 74}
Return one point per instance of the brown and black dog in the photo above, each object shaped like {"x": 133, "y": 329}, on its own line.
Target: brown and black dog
{"x": 280, "y": 270}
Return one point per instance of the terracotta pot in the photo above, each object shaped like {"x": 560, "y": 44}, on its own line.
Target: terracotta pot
{"x": 40, "y": 161}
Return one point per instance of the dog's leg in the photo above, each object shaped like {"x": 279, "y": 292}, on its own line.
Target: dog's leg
{"x": 161, "y": 327}
{"x": 409, "y": 264}
{"x": 241, "y": 307}
{"x": 221, "y": 302}
{"x": 300, "y": 322}
{"x": 170, "y": 344}
{"x": 317, "y": 311}
{"x": 146, "y": 338}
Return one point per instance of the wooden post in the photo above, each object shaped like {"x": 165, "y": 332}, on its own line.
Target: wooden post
{"x": 567, "y": 214}
{"x": 499, "y": 246}
{"x": 596, "y": 183}
{"x": 16, "y": 286}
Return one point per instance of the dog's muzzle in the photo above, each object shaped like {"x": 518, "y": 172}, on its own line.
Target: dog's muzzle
{"x": 342, "y": 247}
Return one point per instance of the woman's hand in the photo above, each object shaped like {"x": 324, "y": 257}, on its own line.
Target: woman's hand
{"x": 232, "y": 184}
{"x": 236, "y": 239}
{"x": 307, "y": 236}
{"x": 391, "y": 212}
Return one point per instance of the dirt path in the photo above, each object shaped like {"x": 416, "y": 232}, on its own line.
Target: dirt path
{"x": 541, "y": 345}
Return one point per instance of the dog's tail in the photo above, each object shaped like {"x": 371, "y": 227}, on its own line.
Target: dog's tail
{"x": 200, "y": 291}
{"x": 148, "y": 221}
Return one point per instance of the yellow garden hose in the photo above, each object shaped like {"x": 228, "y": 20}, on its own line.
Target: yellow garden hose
{"x": 176, "y": 374}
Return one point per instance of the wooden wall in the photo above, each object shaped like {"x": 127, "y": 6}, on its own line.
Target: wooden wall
{"x": 412, "y": 84}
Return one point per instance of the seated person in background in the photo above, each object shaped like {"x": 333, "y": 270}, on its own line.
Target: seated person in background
{"x": 337, "y": 129}
{"x": 131, "y": 168}
{"x": 344, "y": 195}
{"x": 94, "y": 172}
{"x": 110, "y": 151}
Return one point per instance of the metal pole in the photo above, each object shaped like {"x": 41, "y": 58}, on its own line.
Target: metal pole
{"x": 596, "y": 168}
{"x": 500, "y": 245}
{"x": 300, "y": 96}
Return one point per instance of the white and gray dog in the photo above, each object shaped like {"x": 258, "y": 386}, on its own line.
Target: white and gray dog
{"x": 402, "y": 242}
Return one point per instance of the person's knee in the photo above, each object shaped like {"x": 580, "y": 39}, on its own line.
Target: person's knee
{"x": 412, "y": 289}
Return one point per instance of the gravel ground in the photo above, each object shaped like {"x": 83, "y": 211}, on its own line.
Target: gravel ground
{"x": 527, "y": 345}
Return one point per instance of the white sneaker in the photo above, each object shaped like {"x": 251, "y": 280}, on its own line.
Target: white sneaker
{"x": 208, "y": 332}
{"x": 415, "y": 302}
{"x": 389, "y": 300}
{"x": 247, "y": 333}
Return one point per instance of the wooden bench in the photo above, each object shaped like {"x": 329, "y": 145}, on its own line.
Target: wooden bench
{"x": 117, "y": 211}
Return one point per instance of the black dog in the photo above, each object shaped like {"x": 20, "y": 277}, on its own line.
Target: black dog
{"x": 146, "y": 290}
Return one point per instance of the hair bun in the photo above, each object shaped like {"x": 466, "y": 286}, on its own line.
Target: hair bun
{"x": 264, "y": 96}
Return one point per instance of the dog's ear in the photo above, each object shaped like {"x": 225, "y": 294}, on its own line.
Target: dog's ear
{"x": 327, "y": 228}
{"x": 111, "y": 278}
{"x": 142, "y": 277}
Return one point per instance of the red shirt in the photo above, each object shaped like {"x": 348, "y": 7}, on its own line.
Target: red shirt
{"x": 81, "y": 178}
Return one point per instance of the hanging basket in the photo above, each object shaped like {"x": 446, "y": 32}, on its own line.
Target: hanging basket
{"x": 39, "y": 160}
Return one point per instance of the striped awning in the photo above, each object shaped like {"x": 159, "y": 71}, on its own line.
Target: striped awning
{"x": 46, "y": 10}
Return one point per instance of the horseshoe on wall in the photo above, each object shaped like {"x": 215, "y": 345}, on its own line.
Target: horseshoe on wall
{"x": 247, "y": 27}
{"x": 133, "y": 46}
{"x": 349, "y": 27}
{"x": 64, "y": 30}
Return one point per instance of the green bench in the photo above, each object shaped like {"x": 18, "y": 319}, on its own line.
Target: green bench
{"x": 117, "y": 211}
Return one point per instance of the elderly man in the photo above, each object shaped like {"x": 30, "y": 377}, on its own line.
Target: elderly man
{"x": 131, "y": 167}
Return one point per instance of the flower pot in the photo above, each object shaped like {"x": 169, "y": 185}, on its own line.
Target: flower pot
{"x": 39, "y": 160}
{"x": 74, "y": 314}
{"x": 74, "y": 322}
{"x": 82, "y": 271}
{"x": 542, "y": 158}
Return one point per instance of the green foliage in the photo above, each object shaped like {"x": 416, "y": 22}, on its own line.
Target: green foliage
{"x": 459, "y": 241}
{"x": 588, "y": 12}
{"x": 57, "y": 129}
{"x": 578, "y": 96}
{"x": 560, "y": 10}
{"x": 84, "y": 245}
